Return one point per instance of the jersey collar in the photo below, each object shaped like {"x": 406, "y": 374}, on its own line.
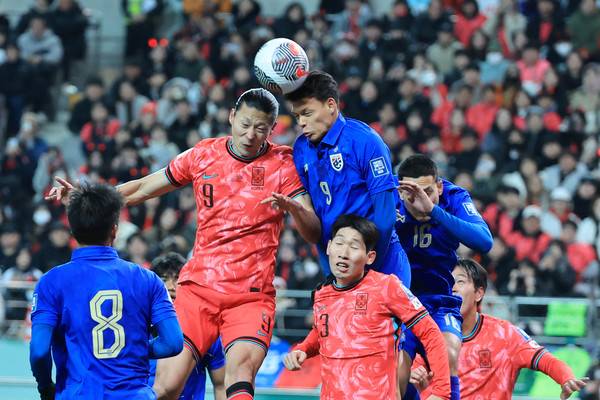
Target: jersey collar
{"x": 334, "y": 132}
{"x": 351, "y": 286}
{"x": 476, "y": 329}
{"x": 232, "y": 153}
{"x": 94, "y": 252}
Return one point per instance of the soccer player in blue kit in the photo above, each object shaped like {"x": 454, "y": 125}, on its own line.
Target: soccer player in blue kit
{"x": 167, "y": 267}
{"x": 346, "y": 168}
{"x": 92, "y": 315}
{"x": 434, "y": 217}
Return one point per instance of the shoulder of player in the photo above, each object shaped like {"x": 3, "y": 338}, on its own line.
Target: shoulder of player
{"x": 453, "y": 190}
{"x": 281, "y": 150}
{"x": 361, "y": 132}
{"x": 496, "y": 323}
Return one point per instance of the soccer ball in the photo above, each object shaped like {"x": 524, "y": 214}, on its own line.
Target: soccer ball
{"x": 281, "y": 65}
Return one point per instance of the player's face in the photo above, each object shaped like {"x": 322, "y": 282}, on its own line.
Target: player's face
{"x": 348, "y": 256}
{"x": 315, "y": 117}
{"x": 464, "y": 288}
{"x": 250, "y": 128}
{"x": 433, "y": 187}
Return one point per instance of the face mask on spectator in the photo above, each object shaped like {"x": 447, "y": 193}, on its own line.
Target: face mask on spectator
{"x": 41, "y": 217}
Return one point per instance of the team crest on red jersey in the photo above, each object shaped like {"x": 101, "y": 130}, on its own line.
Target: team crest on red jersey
{"x": 258, "y": 176}
{"x": 361, "y": 301}
{"x": 485, "y": 359}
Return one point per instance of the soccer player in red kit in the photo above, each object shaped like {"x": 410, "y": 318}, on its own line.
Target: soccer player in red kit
{"x": 494, "y": 350}
{"x": 243, "y": 184}
{"x": 353, "y": 328}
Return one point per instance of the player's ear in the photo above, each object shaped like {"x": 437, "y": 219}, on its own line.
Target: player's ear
{"x": 371, "y": 255}
{"x": 231, "y": 115}
{"x": 113, "y": 233}
{"x": 328, "y": 245}
{"x": 440, "y": 186}
{"x": 331, "y": 105}
{"x": 479, "y": 293}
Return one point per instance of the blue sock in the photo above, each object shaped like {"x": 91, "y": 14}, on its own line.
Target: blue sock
{"x": 411, "y": 393}
{"x": 454, "y": 388}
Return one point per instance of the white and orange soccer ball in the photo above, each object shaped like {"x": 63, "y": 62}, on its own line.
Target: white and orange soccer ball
{"x": 281, "y": 65}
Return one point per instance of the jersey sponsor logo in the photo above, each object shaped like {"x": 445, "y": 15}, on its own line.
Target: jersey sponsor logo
{"x": 378, "y": 167}
{"x": 206, "y": 176}
{"x": 337, "y": 162}
{"x": 485, "y": 359}
{"x": 470, "y": 209}
{"x": 361, "y": 301}
{"x": 258, "y": 176}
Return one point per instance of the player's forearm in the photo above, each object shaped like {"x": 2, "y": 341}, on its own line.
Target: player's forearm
{"x": 169, "y": 341}
{"x": 435, "y": 347}
{"x": 384, "y": 217}
{"x": 308, "y": 224}
{"x": 554, "y": 368}
{"x": 310, "y": 345}
{"x": 39, "y": 355}
{"x": 477, "y": 236}
{"x": 139, "y": 190}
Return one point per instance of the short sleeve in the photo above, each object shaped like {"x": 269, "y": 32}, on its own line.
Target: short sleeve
{"x": 376, "y": 164}
{"x": 290, "y": 181}
{"x": 402, "y": 303}
{"x": 45, "y": 307}
{"x": 179, "y": 171}
{"x": 216, "y": 356}
{"x": 162, "y": 306}
{"x": 525, "y": 352}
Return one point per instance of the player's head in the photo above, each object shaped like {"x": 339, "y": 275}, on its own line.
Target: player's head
{"x": 422, "y": 170}
{"x": 252, "y": 119}
{"x": 470, "y": 283}
{"x": 167, "y": 268}
{"x": 315, "y": 105}
{"x": 352, "y": 247}
{"x": 93, "y": 213}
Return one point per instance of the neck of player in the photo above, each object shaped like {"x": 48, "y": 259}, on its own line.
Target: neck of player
{"x": 469, "y": 322}
{"x": 342, "y": 283}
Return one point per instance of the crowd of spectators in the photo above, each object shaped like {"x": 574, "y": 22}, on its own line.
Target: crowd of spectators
{"x": 503, "y": 94}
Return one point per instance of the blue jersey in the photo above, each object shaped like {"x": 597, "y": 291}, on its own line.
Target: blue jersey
{"x": 101, "y": 308}
{"x": 342, "y": 173}
{"x": 195, "y": 387}
{"x": 431, "y": 246}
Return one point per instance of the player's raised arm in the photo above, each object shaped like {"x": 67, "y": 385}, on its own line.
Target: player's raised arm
{"x": 140, "y": 190}
{"x": 467, "y": 225}
{"x": 301, "y": 209}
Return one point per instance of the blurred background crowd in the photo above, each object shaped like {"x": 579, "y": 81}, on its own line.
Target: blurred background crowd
{"x": 503, "y": 94}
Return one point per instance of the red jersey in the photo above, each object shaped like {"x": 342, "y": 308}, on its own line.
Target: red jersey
{"x": 492, "y": 355}
{"x": 353, "y": 332}
{"x": 236, "y": 237}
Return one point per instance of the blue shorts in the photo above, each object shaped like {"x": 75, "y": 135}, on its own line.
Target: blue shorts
{"x": 445, "y": 311}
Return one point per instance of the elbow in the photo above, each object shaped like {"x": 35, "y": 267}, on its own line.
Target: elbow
{"x": 487, "y": 242}
{"x": 176, "y": 347}
{"x": 37, "y": 358}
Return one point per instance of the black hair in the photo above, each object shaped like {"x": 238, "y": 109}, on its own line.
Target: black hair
{"x": 261, "y": 99}
{"x": 417, "y": 165}
{"x": 367, "y": 229}
{"x": 475, "y": 272}
{"x": 94, "y": 80}
{"x": 318, "y": 85}
{"x": 93, "y": 211}
{"x": 168, "y": 265}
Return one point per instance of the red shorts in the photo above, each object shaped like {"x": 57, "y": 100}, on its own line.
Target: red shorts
{"x": 204, "y": 314}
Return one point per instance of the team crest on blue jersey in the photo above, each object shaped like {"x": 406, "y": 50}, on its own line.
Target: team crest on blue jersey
{"x": 337, "y": 162}
{"x": 470, "y": 209}
{"x": 378, "y": 167}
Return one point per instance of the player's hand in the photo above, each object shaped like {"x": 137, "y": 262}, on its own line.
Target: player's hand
{"x": 294, "y": 360}
{"x": 571, "y": 386}
{"x": 420, "y": 377}
{"x": 417, "y": 201}
{"x": 59, "y": 192}
{"x": 281, "y": 202}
